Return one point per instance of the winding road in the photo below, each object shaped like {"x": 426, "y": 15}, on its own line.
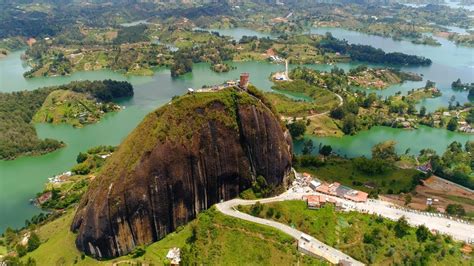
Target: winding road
{"x": 458, "y": 229}
{"x": 320, "y": 249}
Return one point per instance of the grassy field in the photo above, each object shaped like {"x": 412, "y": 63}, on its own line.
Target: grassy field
{"x": 222, "y": 240}
{"x": 302, "y": 99}
{"x": 323, "y": 126}
{"x": 3, "y": 249}
{"x": 367, "y": 238}
{"x": 211, "y": 239}
{"x": 344, "y": 172}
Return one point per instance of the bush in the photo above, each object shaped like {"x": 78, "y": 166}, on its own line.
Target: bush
{"x": 256, "y": 209}
{"x": 137, "y": 252}
{"x": 33, "y": 242}
{"x": 21, "y": 250}
{"x": 297, "y": 128}
{"x": 81, "y": 157}
{"x": 422, "y": 233}
{"x": 371, "y": 166}
{"x": 401, "y": 228}
{"x": 455, "y": 209}
{"x": 270, "y": 212}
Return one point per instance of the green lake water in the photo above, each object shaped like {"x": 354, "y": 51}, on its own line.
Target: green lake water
{"x": 22, "y": 178}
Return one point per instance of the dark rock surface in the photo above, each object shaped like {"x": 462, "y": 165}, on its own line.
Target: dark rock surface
{"x": 179, "y": 161}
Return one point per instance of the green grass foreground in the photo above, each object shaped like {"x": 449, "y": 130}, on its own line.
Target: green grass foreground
{"x": 367, "y": 238}
{"x": 211, "y": 239}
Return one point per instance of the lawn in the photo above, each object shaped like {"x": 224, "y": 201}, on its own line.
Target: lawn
{"x": 323, "y": 126}
{"x": 343, "y": 171}
{"x": 367, "y": 238}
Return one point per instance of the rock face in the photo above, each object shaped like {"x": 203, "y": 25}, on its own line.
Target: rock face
{"x": 181, "y": 159}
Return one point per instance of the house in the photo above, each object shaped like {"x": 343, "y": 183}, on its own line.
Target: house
{"x": 318, "y": 201}
{"x": 323, "y": 188}
{"x": 174, "y": 255}
{"x": 44, "y": 197}
{"x": 231, "y": 83}
{"x": 314, "y": 184}
{"x": 425, "y": 167}
{"x": 356, "y": 196}
{"x": 315, "y": 201}
{"x": 332, "y": 188}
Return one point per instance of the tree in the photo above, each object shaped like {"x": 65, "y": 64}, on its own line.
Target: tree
{"x": 338, "y": 113}
{"x": 352, "y": 107}
{"x": 407, "y": 199}
{"x": 21, "y": 250}
{"x": 297, "y": 128}
{"x": 455, "y": 209}
{"x": 470, "y": 115}
{"x": 401, "y": 227}
{"x": 430, "y": 84}
{"x": 10, "y": 235}
{"x": 256, "y": 209}
{"x": 452, "y": 124}
{"x": 422, "y": 111}
{"x": 469, "y": 146}
{"x": 349, "y": 124}
{"x": 411, "y": 109}
{"x": 370, "y": 100}
{"x": 325, "y": 150}
{"x": 308, "y": 147}
{"x": 33, "y": 242}
{"x": 422, "y": 233}
{"x": 81, "y": 157}
{"x": 385, "y": 151}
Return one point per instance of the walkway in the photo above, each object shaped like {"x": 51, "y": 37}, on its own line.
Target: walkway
{"x": 318, "y": 248}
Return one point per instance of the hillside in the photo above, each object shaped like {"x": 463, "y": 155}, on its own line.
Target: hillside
{"x": 197, "y": 150}
{"x": 238, "y": 243}
{"x": 371, "y": 239}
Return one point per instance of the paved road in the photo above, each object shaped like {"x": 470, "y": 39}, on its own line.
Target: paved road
{"x": 458, "y": 230}
{"x": 331, "y": 254}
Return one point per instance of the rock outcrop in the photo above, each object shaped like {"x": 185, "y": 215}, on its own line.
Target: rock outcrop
{"x": 198, "y": 150}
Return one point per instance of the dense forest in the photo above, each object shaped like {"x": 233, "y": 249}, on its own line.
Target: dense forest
{"x": 18, "y": 135}
{"x": 367, "y": 53}
{"x": 455, "y": 164}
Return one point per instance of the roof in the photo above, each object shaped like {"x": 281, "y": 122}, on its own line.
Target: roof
{"x": 315, "y": 199}
{"x": 357, "y": 196}
{"x": 323, "y": 188}
{"x": 342, "y": 190}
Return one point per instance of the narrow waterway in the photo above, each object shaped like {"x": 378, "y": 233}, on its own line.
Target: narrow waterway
{"x": 22, "y": 178}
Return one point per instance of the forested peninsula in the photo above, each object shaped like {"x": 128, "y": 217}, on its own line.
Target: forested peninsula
{"x": 17, "y": 110}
